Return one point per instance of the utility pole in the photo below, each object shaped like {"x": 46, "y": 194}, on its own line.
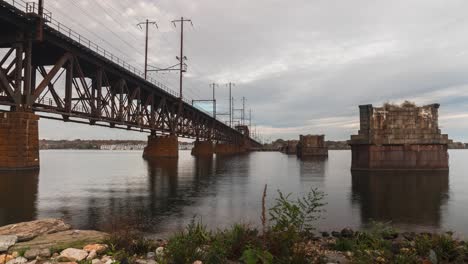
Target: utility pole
{"x": 243, "y": 111}
{"x": 146, "y": 23}
{"x": 181, "y": 58}
{"x": 213, "y": 85}
{"x": 231, "y": 103}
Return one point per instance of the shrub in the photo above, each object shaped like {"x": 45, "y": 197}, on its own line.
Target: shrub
{"x": 300, "y": 214}
{"x": 188, "y": 245}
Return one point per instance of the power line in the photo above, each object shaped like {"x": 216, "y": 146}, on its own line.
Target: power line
{"x": 105, "y": 26}
{"x": 147, "y": 23}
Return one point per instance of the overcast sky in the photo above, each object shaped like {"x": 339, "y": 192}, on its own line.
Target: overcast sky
{"x": 304, "y": 65}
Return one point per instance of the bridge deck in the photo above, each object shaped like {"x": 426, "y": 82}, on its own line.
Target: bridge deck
{"x": 68, "y": 77}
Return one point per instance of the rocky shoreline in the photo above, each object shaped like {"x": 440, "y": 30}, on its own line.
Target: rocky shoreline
{"x": 50, "y": 241}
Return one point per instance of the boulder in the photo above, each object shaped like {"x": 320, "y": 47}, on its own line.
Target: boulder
{"x": 74, "y": 254}
{"x": 64, "y": 239}
{"x": 96, "y": 261}
{"x": 37, "y": 252}
{"x": 6, "y": 241}
{"x": 28, "y": 230}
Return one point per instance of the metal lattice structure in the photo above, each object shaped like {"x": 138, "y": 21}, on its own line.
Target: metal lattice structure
{"x": 47, "y": 68}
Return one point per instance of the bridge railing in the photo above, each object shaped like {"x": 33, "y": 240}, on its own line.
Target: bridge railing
{"x": 32, "y": 7}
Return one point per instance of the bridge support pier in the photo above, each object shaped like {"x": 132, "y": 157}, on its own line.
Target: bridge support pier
{"x": 203, "y": 148}
{"x": 162, "y": 147}
{"x": 19, "y": 141}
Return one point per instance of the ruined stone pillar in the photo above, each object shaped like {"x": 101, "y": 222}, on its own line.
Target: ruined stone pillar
{"x": 19, "y": 141}
{"x": 399, "y": 137}
{"x": 203, "y": 148}
{"x": 161, "y": 147}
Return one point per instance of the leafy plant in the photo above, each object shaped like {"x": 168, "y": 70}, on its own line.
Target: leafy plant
{"x": 298, "y": 214}
{"x": 255, "y": 256}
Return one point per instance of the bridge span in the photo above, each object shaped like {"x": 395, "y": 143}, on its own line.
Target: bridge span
{"x": 49, "y": 71}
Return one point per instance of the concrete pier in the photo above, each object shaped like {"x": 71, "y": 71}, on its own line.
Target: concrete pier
{"x": 162, "y": 147}
{"x": 403, "y": 137}
{"x": 311, "y": 146}
{"x": 203, "y": 148}
{"x": 19, "y": 141}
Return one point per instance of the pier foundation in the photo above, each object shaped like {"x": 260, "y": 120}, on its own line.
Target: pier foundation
{"x": 162, "y": 147}
{"x": 312, "y": 146}
{"x": 19, "y": 141}
{"x": 203, "y": 148}
{"x": 403, "y": 137}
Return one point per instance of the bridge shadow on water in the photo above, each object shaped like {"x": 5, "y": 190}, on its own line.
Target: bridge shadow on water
{"x": 18, "y": 196}
{"x": 402, "y": 198}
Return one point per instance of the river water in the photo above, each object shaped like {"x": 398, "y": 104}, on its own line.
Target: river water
{"x": 102, "y": 189}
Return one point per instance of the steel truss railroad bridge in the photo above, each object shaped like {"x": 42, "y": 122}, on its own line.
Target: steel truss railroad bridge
{"x": 50, "y": 71}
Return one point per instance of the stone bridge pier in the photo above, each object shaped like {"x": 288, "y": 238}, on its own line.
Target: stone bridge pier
{"x": 203, "y": 148}
{"x": 19, "y": 141}
{"x": 165, "y": 146}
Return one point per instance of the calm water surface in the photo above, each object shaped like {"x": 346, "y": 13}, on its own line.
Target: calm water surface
{"x": 93, "y": 189}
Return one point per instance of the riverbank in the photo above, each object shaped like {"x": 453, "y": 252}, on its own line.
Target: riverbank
{"x": 53, "y": 241}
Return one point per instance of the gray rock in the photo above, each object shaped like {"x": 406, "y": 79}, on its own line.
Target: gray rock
{"x": 18, "y": 260}
{"x": 6, "y": 241}
{"x": 28, "y": 230}
{"x": 36, "y": 252}
{"x": 32, "y": 262}
{"x": 75, "y": 254}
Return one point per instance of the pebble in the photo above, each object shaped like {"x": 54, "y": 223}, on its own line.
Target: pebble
{"x": 197, "y": 262}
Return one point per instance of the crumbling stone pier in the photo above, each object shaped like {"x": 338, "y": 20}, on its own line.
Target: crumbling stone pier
{"x": 312, "y": 146}
{"x": 405, "y": 137}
